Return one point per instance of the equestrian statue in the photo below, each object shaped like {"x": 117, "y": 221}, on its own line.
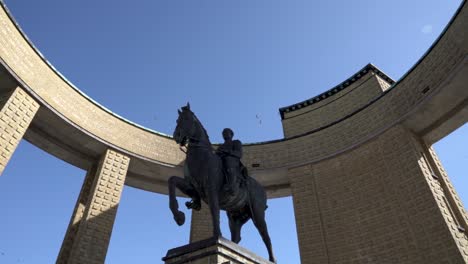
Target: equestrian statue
{"x": 219, "y": 179}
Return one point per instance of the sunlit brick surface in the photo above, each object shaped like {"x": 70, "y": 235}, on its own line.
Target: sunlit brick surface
{"x": 89, "y": 233}
{"x": 451, "y": 49}
{"x": 367, "y": 187}
{"x": 77, "y": 217}
{"x": 17, "y": 111}
{"x": 334, "y": 107}
{"x": 375, "y": 204}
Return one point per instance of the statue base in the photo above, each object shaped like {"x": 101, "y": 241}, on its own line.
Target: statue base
{"x": 212, "y": 251}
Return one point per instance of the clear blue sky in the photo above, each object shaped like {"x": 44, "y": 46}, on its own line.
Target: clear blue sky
{"x": 236, "y": 62}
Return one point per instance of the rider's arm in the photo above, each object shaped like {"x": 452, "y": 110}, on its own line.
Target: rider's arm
{"x": 237, "y": 149}
{"x": 221, "y": 150}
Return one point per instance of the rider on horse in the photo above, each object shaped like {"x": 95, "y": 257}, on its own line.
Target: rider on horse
{"x": 205, "y": 179}
{"x": 231, "y": 153}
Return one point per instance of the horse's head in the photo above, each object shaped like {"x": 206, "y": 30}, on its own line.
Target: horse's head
{"x": 186, "y": 128}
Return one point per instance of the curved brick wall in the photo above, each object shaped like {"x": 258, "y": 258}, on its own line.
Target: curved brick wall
{"x": 57, "y": 94}
{"x": 318, "y": 131}
{"x": 366, "y": 184}
{"x": 365, "y": 86}
{"x": 373, "y": 118}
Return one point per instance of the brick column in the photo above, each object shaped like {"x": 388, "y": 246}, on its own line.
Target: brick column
{"x": 17, "y": 112}
{"x": 451, "y": 194}
{"x": 386, "y": 201}
{"x": 309, "y": 222}
{"x": 450, "y": 203}
{"x": 201, "y": 225}
{"x": 427, "y": 198}
{"x": 90, "y": 228}
{"x": 77, "y": 216}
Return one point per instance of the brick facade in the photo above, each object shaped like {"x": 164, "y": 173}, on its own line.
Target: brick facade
{"x": 90, "y": 228}
{"x": 378, "y": 203}
{"x": 309, "y": 223}
{"x": 406, "y": 96}
{"x": 334, "y": 107}
{"x": 77, "y": 216}
{"x": 17, "y": 112}
{"x": 365, "y": 188}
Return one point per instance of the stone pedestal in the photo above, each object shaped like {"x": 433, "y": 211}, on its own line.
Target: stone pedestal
{"x": 212, "y": 251}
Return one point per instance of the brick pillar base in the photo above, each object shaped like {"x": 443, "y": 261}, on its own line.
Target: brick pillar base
{"x": 201, "y": 226}
{"x": 90, "y": 228}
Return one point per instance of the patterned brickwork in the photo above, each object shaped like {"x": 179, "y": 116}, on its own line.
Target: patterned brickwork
{"x": 17, "y": 112}
{"x": 378, "y": 203}
{"x": 445, "y": 207}
{"x": 431, "y": 72}
{"x": 77, "y": 216}
{"x": 201, "y": 226}
{"x": 452, "y": 208}
{"x": 310, "y": 231}
{"x": 375, "y": 204}
{"x": 92, "y": 238}
{"x": 441, "y": 172}
{"x": 333, "y": 108}
{"x": 50, "y": 87}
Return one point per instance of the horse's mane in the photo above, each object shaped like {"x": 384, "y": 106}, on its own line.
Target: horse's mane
{"x": 185, "y": 108}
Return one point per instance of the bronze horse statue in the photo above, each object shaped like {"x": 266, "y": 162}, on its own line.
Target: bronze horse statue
{"x": 204, "y": 180}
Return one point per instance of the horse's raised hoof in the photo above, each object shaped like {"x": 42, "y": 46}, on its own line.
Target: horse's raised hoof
{"x": 179, "y": 217}
{"x": 272, "y": 259}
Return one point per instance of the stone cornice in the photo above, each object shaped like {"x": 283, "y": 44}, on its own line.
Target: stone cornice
{"x": 340, "y": 87}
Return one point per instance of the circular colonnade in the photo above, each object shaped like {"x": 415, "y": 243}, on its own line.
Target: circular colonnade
{"x": 322, "y": 135}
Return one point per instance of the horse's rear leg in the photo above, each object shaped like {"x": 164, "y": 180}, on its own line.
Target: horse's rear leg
{"x": 235, "y": 226}
{"x": 259, "y": 222}
{"x": 186, "y": 188}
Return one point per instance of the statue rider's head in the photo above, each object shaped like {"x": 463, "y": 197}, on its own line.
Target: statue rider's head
{"x": 228, "y": 134}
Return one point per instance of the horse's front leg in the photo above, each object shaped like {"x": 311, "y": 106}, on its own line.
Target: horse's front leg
{"x": 213, "y": 202}
{"x": 186, "y": 188}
